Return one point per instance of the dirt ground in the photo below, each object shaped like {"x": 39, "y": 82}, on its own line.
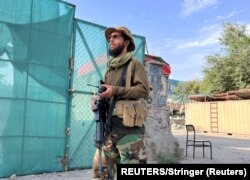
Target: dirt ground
{"x": 227, "y": 149}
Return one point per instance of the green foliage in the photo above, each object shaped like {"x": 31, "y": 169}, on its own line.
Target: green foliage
{"x": 230, "y": 71}
{"x": 168, "y": 159}
{"x": 189, "y": 87}
{"x": 164, "y": 158}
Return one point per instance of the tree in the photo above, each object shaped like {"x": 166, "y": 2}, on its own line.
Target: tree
{"x": 230, "y": 71}
{"x": 189, "y": 87}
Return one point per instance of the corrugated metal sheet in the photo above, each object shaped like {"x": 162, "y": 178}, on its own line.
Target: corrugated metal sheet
{"x": 222, "y": 117}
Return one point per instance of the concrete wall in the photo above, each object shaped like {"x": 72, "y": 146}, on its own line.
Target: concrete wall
{"x": 159, "y": 137}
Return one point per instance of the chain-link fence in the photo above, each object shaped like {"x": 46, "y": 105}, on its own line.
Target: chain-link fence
{"x": 47, "y": 59}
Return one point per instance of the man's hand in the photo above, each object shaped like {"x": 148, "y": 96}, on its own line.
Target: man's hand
{"x": 108, "y": 92}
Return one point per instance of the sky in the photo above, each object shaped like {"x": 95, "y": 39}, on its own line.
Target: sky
{"x": 182, "y": 32}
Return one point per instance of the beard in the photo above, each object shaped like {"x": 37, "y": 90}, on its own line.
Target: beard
{"x": 116, "y": 51}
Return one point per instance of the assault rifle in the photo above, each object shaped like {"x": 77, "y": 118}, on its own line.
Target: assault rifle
{"x": 101, "y": 111}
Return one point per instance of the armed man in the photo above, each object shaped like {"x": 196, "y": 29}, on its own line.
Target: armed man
{"x": 125, "y": 89}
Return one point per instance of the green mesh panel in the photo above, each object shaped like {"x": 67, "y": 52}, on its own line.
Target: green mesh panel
{"x": 36, "y": 107}
{"x": 35, "y": 47}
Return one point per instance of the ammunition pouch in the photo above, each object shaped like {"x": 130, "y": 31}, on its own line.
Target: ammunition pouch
{"x": 132, "y": 112}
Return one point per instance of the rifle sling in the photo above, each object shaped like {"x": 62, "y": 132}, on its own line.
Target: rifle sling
{"x": 113, "y": 101}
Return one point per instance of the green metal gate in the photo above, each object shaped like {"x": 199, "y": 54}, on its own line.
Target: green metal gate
{"x": 35, "y": 44}
{"x": 47, "y": 58}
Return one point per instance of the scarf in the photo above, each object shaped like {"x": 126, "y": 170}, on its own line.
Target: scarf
{"x": 117, "y": 62}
